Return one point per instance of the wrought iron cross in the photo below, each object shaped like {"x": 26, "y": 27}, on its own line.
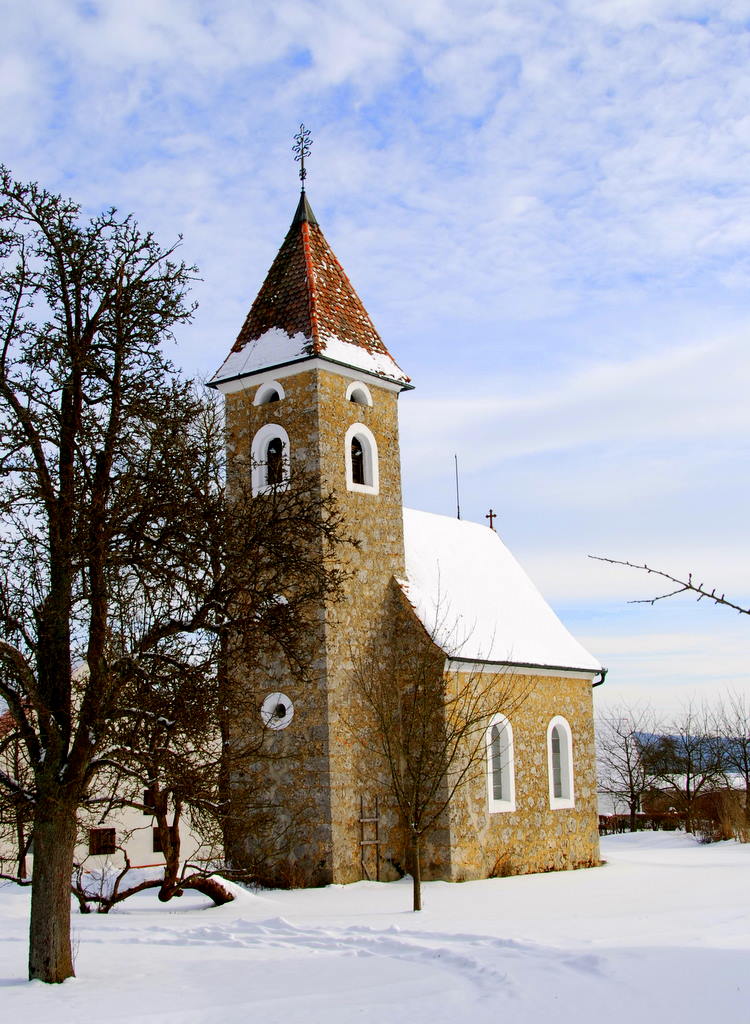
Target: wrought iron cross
{"x": 301, "y": 149}
{"x": 492, "y": 516}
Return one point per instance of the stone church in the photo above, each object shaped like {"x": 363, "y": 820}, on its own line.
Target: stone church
{"x": 310, "y": 385}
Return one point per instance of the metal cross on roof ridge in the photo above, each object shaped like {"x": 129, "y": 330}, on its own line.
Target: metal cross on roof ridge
{"x": 301, "y": 149}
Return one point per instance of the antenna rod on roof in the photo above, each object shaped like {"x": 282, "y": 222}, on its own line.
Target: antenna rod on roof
{"x": 458, "y": 501}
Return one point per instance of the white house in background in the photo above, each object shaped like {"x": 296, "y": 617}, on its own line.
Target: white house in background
{"x": 106, "y": 838}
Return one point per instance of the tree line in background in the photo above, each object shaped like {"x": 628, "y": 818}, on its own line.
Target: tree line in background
{"x": 691, "y": 771}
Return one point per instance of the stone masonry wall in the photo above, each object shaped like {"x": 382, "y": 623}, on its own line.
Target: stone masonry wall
{"x": 376, "y": 522}
{"x": 312, "y": 784}
{"x": 281, "y": 807}
{"x": 533, "y": 837}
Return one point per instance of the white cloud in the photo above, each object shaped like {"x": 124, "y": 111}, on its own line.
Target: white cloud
{"x": 545, "y": 207}
{"x": 693, "y": 392}
{"x": 667, "y": 670}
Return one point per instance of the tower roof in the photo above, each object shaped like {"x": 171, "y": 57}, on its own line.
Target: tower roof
{"x": 307, "y": 308}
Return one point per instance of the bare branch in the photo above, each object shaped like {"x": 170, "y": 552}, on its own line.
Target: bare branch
{"x": 682, "y": 586}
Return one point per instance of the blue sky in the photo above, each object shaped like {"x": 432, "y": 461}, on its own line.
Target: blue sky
{"x": 546, "y": 210}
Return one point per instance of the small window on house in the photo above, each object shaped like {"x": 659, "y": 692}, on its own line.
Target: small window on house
{"x": 149, "y": 804}
{"x": 361, "y": 460}
{"x": 174, "y": 833}
{"x": 102, "y": 841}
{"x": 560, "y": 763}
{"x": 275, "y": 462}
{"x": 501, "y": 789}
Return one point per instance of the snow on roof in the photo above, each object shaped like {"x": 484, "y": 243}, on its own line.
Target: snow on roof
{"x": 307, "y": 307}
{"x": 275, "y": 347}
{"x": 471, "y": 594}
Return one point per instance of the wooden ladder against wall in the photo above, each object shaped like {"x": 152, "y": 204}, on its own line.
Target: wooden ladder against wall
{"x": 369, "y": 824}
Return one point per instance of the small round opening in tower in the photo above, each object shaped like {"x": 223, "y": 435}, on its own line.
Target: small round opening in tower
{"x": 277, "y": 711}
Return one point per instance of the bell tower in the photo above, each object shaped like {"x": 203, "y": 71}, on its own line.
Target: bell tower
{"x": 311, "y": 388}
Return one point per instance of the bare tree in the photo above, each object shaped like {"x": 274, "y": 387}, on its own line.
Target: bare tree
{"x": 425, "y": 728}
{"x": 688, "y": 761}
{"x": 622, "y": 736}
{"x": 90, "y": 414}
{"x": 119, "y": 548}
{"x": 733, "y": 726}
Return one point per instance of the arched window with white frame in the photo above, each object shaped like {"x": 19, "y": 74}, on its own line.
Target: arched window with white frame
{"x": 501, "y": 783}
{"x": 361, "y": 460}
{"x": 270, "y": 458}
{"x": 270, "y": 392}
{"x": 560, "y": 763}
{"x": 359, "y": 393}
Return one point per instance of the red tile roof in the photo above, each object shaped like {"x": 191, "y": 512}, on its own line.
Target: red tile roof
{"x": 307, "y": 292}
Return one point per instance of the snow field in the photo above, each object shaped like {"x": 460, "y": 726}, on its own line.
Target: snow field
{"x": 660, "y": 933}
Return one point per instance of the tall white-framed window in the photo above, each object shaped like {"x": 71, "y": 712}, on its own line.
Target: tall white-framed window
{"x": 269, "y": 453}
{"x": 270, "y": 392}
{"x": 358, "y": 393}
{"x": 361, "y": 460}
{"x": 560, "y": 763}
{"x": 501, "y": 783}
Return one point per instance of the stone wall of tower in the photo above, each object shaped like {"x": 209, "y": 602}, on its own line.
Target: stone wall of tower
{"x": 281, "y": 818}
{"x": 375, "y": 521}
{"x": 313, "y": 784}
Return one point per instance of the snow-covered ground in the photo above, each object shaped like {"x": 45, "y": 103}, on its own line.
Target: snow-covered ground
{"x": 660, "y": 933}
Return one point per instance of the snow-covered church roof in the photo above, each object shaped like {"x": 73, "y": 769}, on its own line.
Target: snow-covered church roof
{"x": 477, "y": 602}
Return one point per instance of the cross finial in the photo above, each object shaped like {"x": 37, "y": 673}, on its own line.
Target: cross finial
{"x": 301, "y": 149}
{"x": 492, "y": 516}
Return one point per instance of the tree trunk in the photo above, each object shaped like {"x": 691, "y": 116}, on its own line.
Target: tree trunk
{"x": 225, "y": 787}
{"x": 633, "y": 822}
{"x": 50, "y": 955}
{"x": 22, "y": 847}
{"x": 170, "y": 846}
{"x": 416, "y": 873}
{"x": 210, "y": 887}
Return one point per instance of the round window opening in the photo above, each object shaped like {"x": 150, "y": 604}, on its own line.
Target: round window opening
{"x": 277, "y": 711}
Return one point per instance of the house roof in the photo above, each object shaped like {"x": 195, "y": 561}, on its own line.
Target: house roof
{"x": 307, "y": 308}
{"x": 476, "y": 601}
{"x": 7, "y": 723}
